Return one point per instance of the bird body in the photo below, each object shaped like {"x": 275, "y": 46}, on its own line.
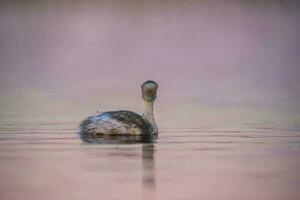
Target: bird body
{"x": 124, "y": 122}
{"x": 116, "y": 123}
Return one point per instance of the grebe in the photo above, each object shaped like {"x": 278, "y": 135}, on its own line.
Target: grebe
{"x": 124, "y": 122}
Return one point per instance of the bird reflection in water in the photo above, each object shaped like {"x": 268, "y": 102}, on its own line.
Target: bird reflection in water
{"x": 119, "y": 139}
{"x": 148, "y": 152}
{"x": 148, "y": 165}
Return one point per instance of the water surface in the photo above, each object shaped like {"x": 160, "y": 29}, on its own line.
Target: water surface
{"x": 49, "y": 161}
{"x": 227, "y": 107}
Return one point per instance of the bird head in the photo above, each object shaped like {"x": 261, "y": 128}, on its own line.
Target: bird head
{"x": 149, "y": 89}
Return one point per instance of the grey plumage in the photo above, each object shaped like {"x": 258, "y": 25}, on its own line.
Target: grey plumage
{"x": 115, "y": 123}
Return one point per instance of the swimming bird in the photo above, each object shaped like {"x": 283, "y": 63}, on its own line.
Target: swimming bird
{"x": 125, "y": 122}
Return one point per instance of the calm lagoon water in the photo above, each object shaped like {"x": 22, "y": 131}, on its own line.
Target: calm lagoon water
{"x": 50, "y": 161}
{"x": 227, "y": 108}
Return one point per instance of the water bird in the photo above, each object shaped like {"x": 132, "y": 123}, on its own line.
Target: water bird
{"x": 124, "y": 122}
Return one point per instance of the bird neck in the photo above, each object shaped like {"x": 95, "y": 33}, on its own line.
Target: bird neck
{"x": 148, "y": 116}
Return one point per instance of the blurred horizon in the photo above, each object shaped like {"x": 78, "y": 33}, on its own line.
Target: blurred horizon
{"x": 216, "y": 62}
